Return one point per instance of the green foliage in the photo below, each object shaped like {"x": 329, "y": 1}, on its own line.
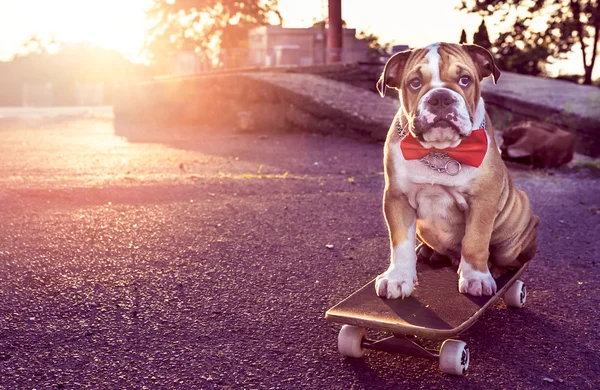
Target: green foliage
{"x": 571, "y": 25}
{"x": 515, "y": 53}
{"x": 463, "y": 37}
{"x": 481, "y": 36}
{"x": 38, "y": 44}
{"x": 324, "y": 23}
{"x": 205, "y": 25}
{"x": 376, "y": 47}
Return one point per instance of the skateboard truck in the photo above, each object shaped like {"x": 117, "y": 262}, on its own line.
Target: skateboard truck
{"x": 453, "y": 355}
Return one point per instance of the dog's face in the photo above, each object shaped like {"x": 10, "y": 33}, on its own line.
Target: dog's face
{"x": 439, "y": 90}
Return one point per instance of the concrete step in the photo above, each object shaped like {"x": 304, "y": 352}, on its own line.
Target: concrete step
{"x": 258, "y": 101}
{"x": 284, "y": 99}
{"x": 571, "y": 106}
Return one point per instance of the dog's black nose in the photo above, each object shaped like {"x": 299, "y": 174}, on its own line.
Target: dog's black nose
{"x": 439, "y": 100}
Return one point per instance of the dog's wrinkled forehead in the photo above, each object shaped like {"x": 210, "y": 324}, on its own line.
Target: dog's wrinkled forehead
{"x": 433, "y": 64}
{"x": 437, "y": 64}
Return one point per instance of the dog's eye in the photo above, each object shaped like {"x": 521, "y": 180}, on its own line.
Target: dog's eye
{"x": 415, "y": 84}
{"x": 464, "y": 81}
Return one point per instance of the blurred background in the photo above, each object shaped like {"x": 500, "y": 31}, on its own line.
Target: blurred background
{"x": 74, "y": 52}
{"x": 186, "y": 186}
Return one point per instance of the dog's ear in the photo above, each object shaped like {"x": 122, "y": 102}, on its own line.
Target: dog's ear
{"x": 484, "y": 61}
{"x": 392, "y": 72}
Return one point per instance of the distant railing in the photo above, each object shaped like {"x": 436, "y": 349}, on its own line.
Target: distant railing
{"x": 288, "y": 55}
{"x": 89, "y": 94}
{"x": 285, "y": 55}
{"x": 37, "y": 95}
{"x": 49, "y": 94}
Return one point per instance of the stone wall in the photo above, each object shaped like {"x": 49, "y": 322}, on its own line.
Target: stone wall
{"x": 257, "y": 101}
{"x": 574, "y": 107}
{"x": 341, "y": 99}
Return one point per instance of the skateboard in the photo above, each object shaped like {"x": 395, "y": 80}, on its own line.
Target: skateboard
{"x": 435, "y": 311}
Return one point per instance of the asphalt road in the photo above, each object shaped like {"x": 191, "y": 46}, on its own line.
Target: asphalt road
{"x": 200, "y": 261}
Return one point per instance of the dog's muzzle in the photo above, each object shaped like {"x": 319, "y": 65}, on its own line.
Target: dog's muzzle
{"x": 442, "y": 116}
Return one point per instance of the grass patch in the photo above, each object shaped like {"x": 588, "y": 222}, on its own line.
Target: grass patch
{"x": 595, "y": 164}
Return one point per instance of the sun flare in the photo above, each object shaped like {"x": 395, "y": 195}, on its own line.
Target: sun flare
{"x": 121, "y": 24}
{"x": 112, "y": 24}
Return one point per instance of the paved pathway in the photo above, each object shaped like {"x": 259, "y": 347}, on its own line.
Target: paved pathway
{"x": 202, "y": 263}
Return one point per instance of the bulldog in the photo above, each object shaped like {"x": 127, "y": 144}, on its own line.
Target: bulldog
{"x": 445, "y": 182}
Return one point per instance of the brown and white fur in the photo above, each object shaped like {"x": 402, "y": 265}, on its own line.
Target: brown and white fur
{"x": 477, "y": 218}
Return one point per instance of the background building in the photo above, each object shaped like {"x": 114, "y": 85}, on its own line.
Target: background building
{"x": 277, "y": 46}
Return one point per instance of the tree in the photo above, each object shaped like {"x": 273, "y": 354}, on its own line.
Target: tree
{"x": 481, "y": 36}
{"x": 324, "y": 23}
{"x": 523, "y": 57}
{"x": 38, "y": 44}
{"x": 571, "y": 25}
{"x": 463, "y": 37}
{"x": 376, "y": 48}
{"x": 206, "y": 25}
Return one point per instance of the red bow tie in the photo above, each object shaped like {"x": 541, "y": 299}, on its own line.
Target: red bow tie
{"x": 470, "y": 151}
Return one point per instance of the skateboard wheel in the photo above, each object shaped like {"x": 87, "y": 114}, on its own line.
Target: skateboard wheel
{"x": 516, "y": 295}
{"x": 454, "y": 357}
{"x": 350, "y": 341}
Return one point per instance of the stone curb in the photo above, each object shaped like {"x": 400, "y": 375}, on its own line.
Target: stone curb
{"x": 284, "y": 98}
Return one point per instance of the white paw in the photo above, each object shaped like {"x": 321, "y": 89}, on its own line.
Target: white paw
{"x": 395, "y": 283}
{"x": 475, "y": 282}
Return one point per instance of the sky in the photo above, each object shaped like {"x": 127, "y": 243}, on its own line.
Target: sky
{"x": 399, "y": 21}
{"x": 114, "y": 24}
{"x": 120, "y": 24}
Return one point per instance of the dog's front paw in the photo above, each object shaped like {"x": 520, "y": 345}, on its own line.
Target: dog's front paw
{"x": 475, "y": 282}
{"x": 395, "y": 283}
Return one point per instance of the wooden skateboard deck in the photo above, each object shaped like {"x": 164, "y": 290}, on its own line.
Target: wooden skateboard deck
{"x": 435, "y": 309}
